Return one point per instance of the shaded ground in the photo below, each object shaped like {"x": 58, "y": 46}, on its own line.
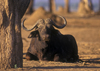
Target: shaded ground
{"x": 87, "y": 34}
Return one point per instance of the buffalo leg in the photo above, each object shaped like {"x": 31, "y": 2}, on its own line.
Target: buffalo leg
{"x": 30, "y": 56}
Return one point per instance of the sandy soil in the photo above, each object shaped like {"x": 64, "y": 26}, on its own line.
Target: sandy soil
{"x": 86, "y": 31}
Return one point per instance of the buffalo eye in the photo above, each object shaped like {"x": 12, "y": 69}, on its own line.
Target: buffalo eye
{"x": 33, "y": 34}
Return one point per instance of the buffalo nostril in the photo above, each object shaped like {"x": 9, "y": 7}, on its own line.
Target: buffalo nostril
{"x": 46, "y": 38}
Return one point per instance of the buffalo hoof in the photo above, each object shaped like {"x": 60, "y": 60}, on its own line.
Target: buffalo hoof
{"x": 30, "y": 56}
{"x": 56, "y": 57}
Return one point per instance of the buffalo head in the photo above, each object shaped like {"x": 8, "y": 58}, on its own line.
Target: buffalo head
{"x": 43, "y": 28}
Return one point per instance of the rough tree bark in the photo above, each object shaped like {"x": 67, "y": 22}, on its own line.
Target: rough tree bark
{"x": 30, "y": 7}
{"x": 52, "y": 5}
{"x": 11, "y": 48}
{"x": 66, "y": 6}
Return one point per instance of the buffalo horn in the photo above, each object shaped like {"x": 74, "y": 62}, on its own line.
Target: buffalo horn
{"x": 22, "y": 24}
{"x": 65, "y": 22}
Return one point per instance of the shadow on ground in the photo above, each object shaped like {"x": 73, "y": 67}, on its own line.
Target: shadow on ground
{"x": 62, "y": 67}
{"x": 95, "y": 60}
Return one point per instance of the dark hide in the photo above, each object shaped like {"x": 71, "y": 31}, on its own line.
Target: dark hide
{"x": 49, "y": 44}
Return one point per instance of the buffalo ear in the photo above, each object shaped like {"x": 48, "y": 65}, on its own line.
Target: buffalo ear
{"x": 33, "y": 34}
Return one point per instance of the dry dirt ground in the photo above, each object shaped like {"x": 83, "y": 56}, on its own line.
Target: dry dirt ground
{"x": 86, "y": 31}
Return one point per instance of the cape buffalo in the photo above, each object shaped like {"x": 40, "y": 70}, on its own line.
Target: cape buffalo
{"x": 49, "y": 44}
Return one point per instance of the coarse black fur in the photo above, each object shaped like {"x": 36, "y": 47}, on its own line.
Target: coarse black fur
{"x": 49, "y": 44}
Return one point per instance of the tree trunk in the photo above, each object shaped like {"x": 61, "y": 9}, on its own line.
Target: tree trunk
{"x": 52, "y": 5}
{"x": 99, "y": 5}
{"x": 91, "y": 4}
{"x": 85, "y": 7}
{"x": 88, "y": 5}
{"x": 11, "y": 48}
{"x": 30, "y": 7}
{"x": 66, "y": 6}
